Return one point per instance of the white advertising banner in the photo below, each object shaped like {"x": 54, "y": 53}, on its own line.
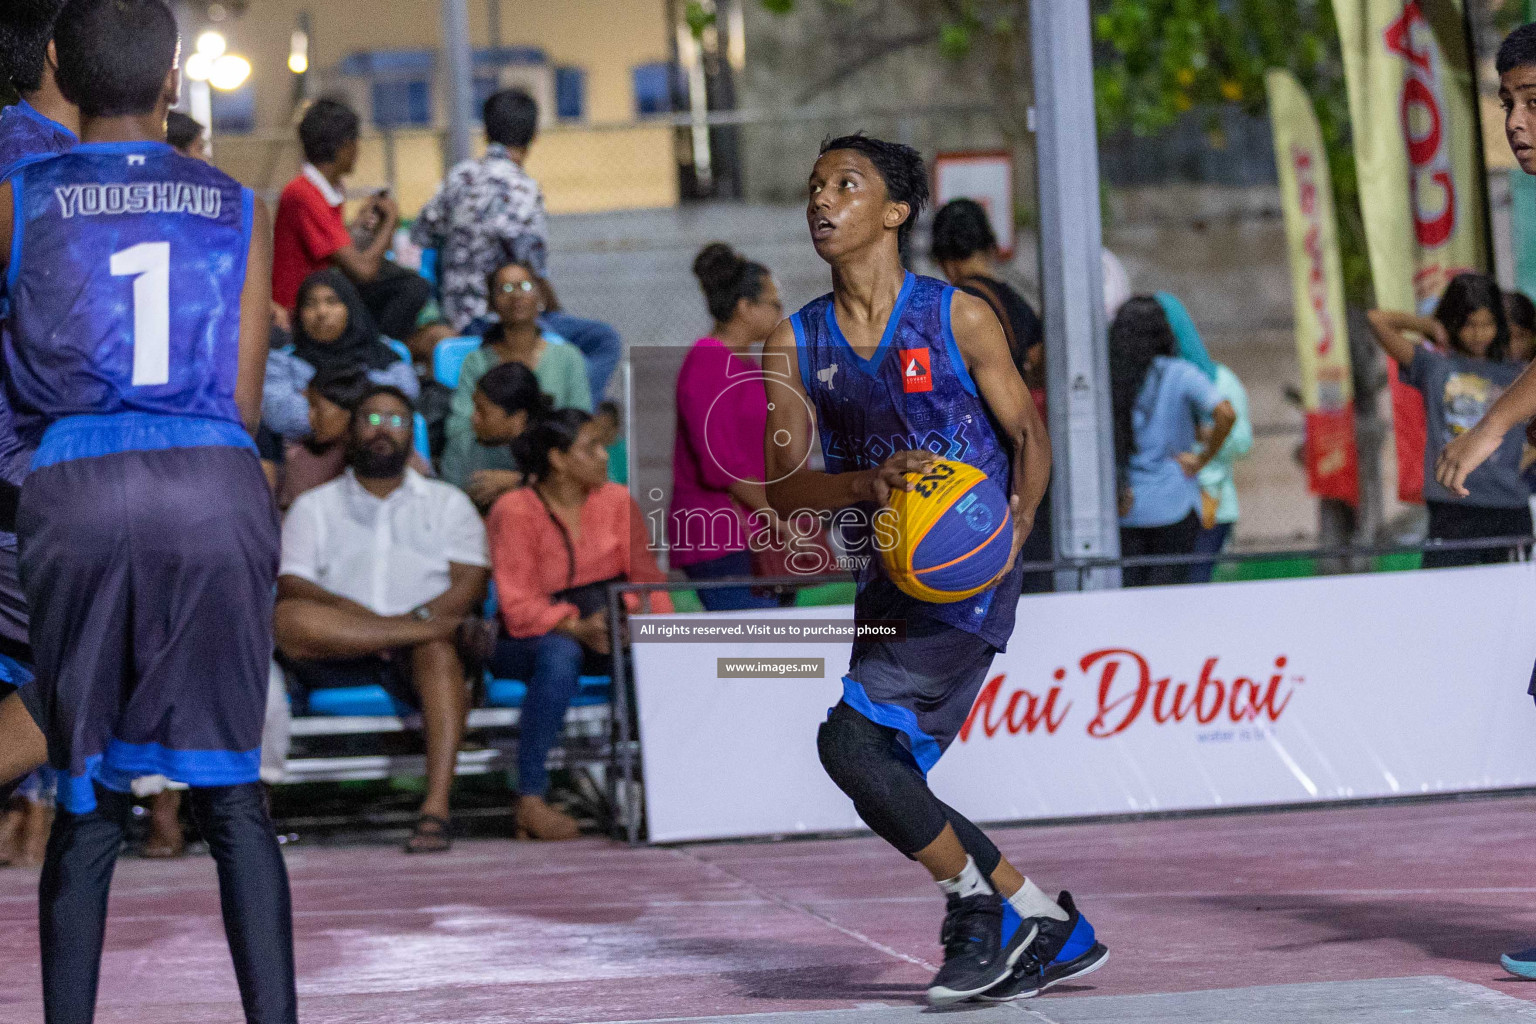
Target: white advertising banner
{"x": 1132, "y": 701}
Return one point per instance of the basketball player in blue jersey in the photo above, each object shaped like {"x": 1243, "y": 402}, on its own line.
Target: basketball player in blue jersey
{"x": 43, "y": 122}
{"x": 899, "y": 370}
{"x": 137, "y": 281}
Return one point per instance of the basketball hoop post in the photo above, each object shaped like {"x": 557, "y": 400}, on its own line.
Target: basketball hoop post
{"x": 1085, "y": 513}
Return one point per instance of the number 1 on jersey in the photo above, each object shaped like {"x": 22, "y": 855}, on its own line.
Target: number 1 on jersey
{"x": 149, "y": 264}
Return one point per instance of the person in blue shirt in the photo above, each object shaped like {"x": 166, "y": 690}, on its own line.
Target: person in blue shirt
{"x": 1158, "y": 401}
{"x": 137, "y": 283}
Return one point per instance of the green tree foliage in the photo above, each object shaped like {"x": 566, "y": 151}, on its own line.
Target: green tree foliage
{"x": 1156, "y": 61}
{"x": 1160, "y": 59}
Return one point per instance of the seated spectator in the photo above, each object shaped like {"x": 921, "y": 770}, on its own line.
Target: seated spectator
{"x": 379, "y": 569}
{"x": 186, "y": 136}
{"x": 610, "y": 425}
{"x": 1157, "y": 401}
{"x": 309, "y": 234}
{"x": 488, "y": 212}
{"x": 333, "y": 334}
{"x": 717, "y": 460}
{"x": 516, "y": 338}
{"x": 322, "y": 456}
{"x": 507, "y": 399}
{"x": 555, "y": 547}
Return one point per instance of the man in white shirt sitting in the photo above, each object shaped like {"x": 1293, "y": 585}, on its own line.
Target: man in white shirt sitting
{"x": 379, "y": 569}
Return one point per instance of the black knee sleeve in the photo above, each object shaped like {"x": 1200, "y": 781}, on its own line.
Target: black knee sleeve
{"x": 867, "y": 763}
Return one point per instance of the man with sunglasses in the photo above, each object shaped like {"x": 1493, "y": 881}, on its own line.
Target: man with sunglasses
{"x": 379, "y": 569}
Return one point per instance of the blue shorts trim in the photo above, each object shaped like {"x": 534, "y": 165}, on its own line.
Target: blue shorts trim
{"x": 124, "y": 762}
{"x": 925, "y": 749}
{"x": 13, "y": 673}
{"x": 85, "y": 437}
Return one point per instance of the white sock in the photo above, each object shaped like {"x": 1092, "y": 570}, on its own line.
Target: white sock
{"x": 1030, "y": 901}
{"x": 968, "y": 882}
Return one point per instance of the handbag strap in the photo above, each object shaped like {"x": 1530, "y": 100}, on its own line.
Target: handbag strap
{"x": 565, "y": 535}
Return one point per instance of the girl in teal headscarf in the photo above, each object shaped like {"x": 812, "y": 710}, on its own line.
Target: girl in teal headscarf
{"x": 1219, "y": 508}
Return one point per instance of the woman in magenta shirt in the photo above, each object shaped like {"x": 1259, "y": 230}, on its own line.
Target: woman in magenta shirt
{"x": 722, "y": 408}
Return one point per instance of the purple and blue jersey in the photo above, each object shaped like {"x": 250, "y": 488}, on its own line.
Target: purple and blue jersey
{"x": 914, "y": 392}
{"x": 24, "y": 133}
{"x": 124, "y": 281}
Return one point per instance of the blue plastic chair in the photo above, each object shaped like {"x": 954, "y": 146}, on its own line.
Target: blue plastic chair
{"x": 419, "y": 432}
{"x": 356, "y": 701}
{"x": 448, "y": 359}
{"x": 510, "y": 693}
{"x": 428, "y": 268}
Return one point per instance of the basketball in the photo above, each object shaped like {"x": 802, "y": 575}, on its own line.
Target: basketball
{"x": 948, "y": 538}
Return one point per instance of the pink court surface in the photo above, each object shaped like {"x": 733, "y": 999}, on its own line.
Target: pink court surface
{"x": 1362, "y": 914}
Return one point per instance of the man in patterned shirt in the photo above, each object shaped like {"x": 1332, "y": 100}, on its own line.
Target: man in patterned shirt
{"x": 490, "y": 212}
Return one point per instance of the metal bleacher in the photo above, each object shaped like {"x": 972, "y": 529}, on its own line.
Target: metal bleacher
{"x": 493, "y": 748}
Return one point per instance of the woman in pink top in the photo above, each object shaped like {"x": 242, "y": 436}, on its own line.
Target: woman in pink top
{"x": 555, "y": 547}
{"x": 722, "y": 408}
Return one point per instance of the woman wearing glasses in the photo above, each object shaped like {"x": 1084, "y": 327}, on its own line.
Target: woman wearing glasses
{"x": 486, "y": 471}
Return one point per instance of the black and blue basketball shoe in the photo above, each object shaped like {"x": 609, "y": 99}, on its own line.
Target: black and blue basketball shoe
{"x": 983, "y": 938}
{"x": 1521, "y": 964}
{"x": 1060, "y": 951}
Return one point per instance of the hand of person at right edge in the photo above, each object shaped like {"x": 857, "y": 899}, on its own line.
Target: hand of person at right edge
{"x": 890, "y": 475}
{"x": 1463, "y": 455}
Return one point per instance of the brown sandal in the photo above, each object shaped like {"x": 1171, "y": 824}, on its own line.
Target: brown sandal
{"x": 432, "y": 835}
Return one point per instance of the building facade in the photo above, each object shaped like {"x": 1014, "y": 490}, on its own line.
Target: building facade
{"x": 599, "y": 69}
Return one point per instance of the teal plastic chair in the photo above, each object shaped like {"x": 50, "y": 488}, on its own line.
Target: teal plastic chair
{"x": 448, "y": 359}
{"x": 370, "y": 701}
{"x": 419, "y": 432}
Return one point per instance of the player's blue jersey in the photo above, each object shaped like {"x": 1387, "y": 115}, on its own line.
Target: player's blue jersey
{"x": 24, "y": 133}
{"x": 124, "y": 287}
{"x": 913, "y": 393}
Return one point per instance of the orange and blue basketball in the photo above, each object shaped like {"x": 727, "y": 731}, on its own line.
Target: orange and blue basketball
{"x": 947, "y": 539}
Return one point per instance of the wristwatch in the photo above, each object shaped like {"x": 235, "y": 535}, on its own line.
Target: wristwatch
{"x": 421, "y": 613}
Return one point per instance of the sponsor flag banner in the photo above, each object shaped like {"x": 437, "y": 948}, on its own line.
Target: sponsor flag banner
{"x": 1111, "y": 702}
{"x": 1317, "y": 289}
{"x": 1413, "y": 112}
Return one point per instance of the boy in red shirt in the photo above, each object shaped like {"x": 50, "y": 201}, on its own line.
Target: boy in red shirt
{"x": 310, "y": 234}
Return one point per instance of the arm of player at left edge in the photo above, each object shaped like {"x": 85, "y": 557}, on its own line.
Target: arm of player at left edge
{"x": 10, "y": 494}
{"x": 985, "y": 350}
{"x": 255, "y": 319}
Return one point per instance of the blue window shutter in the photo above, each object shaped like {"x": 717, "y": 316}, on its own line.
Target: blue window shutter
{"x": 653, "y": 89}
{"x": 485, "y": 86}
{"x": 401, "y": 102}
{"x": 234, "y": 113}
{"x": 570, "y": 94}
